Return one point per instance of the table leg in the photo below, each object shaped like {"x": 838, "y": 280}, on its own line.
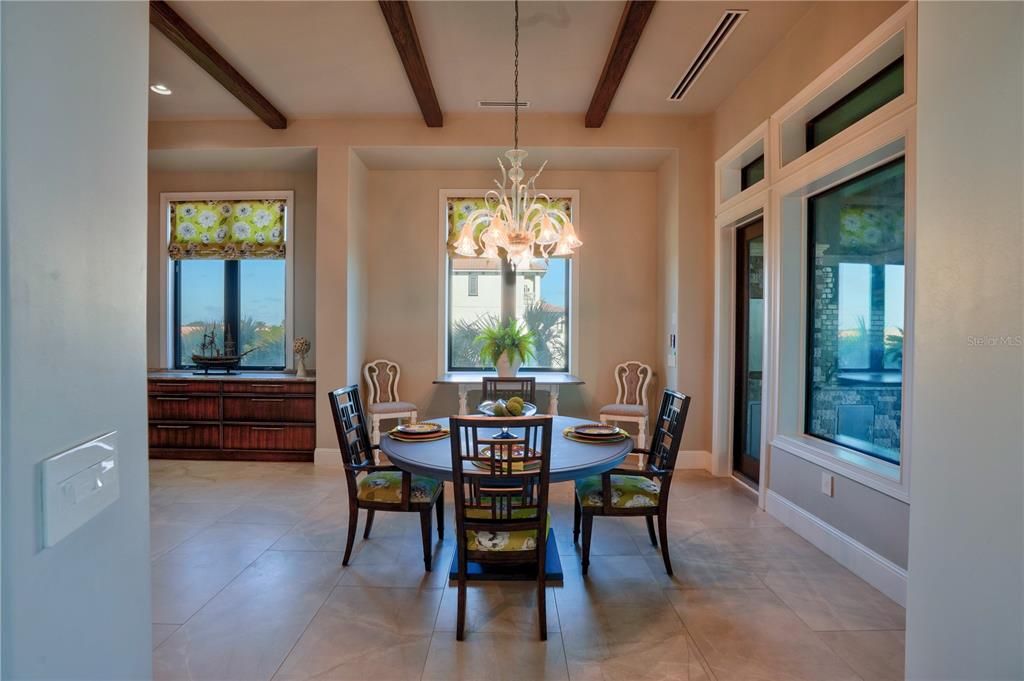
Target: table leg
{"x": 463, "y": 393}
{"x": 553, "y": 402}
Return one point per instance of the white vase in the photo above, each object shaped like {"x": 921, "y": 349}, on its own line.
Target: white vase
{"x": 507, "y": 368}
{"x": 300, "y": 368}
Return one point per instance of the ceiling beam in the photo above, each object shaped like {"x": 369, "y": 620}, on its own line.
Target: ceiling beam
{"x": 398, "y": 14}
{"x": 631, "y": 25}
{"x": 177, "y": 30}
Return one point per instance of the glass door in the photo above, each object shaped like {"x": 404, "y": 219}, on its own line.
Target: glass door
{"x": 749, "y": 336}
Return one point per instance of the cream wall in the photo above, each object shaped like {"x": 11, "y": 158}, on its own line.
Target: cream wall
{"x": 303, "y": 183}
{"x": 690, "y": 211}
{"x": 826, "y": 32}
{"x": 617, "y": 305}
{"x": 358, "y": 268}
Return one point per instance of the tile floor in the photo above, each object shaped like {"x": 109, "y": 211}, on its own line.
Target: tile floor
{"x": 248, "y": 585}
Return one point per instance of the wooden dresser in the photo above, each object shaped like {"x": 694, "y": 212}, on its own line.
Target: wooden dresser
{"x": 244, "y": 417}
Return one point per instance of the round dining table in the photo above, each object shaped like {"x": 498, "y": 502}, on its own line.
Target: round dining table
{"x": 570, "y": 459}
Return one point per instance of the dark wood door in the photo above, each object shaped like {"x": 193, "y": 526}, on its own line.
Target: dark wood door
{"x": 749, "y": 342}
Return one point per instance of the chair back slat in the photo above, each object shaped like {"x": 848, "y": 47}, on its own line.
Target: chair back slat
{"x": 350, "y": 425}
{"x": 382, "y": 380}
{"x": 668, "y": 430}
{"x": 495, "y": 388}
{"x": 631, "y": 382}
{"x": 501, "y": 484}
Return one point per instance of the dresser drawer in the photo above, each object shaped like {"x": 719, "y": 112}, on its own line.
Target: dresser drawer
{"x": 183, "y": 408}
{"x": 184, "y": 436}
{"x": 269, "y": 437}
{"x": 172, "y": 386}
{"x": 301, "y": 409}
{"x": 271, "y": 387}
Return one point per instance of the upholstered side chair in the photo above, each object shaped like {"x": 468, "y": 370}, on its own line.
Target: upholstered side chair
{"x": 631, "y": 382}
{"x": 379, "y": 488}
{"x": 627, "y": 492}
{"x": 382, "y": 385}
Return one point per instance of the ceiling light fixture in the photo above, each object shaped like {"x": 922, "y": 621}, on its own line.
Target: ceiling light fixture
{"x": 160, "y": 89}
{"x": 517, "y": 220}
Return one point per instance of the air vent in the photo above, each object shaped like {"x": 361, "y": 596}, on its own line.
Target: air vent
{"x": 492, "y": 104}
{"x": 730, "y": 20}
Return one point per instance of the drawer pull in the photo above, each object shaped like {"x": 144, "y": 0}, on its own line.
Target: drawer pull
{"x": 173, "y": 399}
{"x": 272, "y": 428}
{"x": 267, "y": 399}
{"x": 268, "y": 385}
{"x": 170, "y": 385}
{"x": 163, "y": 427}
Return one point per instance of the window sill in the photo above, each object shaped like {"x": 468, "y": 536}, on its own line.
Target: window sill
{"x": 879, "y": 475}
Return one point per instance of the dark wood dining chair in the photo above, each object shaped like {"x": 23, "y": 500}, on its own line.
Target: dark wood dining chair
{"x": 632, "y": 492}
{"x": 501, "y": 500}
{"x": 497, "y": 388}
{"x": 379, "y": 488}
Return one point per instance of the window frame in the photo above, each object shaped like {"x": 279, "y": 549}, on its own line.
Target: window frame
{"x": 168, "y": 287}
{"x": 444, "y": 277}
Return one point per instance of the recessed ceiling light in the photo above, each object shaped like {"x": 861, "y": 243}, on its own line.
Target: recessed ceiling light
{"x": 160, "y": 89}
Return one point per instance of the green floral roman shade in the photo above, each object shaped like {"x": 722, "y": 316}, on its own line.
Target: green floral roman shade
{"x": 227, "y": 230}
{"x": 459, "y": 208}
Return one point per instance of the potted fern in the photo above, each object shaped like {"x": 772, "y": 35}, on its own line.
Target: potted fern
{"x": 506, "y": 346}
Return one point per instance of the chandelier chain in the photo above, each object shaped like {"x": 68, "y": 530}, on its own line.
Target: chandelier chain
{"x": 515, "y": 82}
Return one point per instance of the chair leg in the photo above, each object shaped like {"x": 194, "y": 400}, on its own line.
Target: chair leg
{"x": 440, "y": 514}
{"x": 412, "y": 417}
{"x": 426, "y": 520}
{"x": 353, "y": 522}
{"x": 542, "y": 600}
{"x": 460, "y": 627}
{"x": 650, "y": 530}
{"x": 588, "y": 528}
{"x": 369, "y": 523}
{"x": 577, "y": 512}
{"x": 375, "y": 431}
{"x": 642, "y": 437}
{"x": 663, "y": 531}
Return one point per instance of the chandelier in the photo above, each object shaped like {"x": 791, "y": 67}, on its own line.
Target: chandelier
{"x": 517, "y": 218}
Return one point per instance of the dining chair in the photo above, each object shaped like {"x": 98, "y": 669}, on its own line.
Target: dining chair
{"x": 501, "y": 499}
{"x": 382, "y": 382}
{"x": 496, "y": 387}
{"x": 627, "y": 492}
{"x": 631, "y": 382}
{"x": 379, "y": 488}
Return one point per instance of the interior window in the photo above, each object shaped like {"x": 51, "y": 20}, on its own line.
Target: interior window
{"x": 872, "y": 94}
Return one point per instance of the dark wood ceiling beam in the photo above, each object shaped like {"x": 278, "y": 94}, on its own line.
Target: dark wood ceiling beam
{"x": 398, "y": 15}
{"x": 178, "y": 31}
{"x": 631, "y": 25}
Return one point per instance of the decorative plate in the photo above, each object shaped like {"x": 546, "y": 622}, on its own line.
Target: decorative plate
{"x": 596, "y": 430}
{"x": 517, "y": 466}
{"x": 418, "y": 428}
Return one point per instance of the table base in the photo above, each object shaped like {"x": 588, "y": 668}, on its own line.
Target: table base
{"x": 476, "y": 572}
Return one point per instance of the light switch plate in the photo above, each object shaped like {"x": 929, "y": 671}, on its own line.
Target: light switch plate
{"x": 828, "y": 485}
{"x": 77, "y": 485}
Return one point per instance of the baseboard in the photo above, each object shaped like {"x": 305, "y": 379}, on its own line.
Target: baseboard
{"x": 693, "y": 459}
{"x": 327, "y": 456}
{"x": 874, "y": 569}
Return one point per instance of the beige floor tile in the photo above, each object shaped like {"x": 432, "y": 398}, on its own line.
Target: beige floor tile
{"x": 324, "y": 528}
{"x": 874, "y": 655}
{"x": 247, "y": 630}
{"x": 165, "y": 536}
{"x": 724, "y": 507}
{"x": 501, "y": 607}
{"x": 196, "y": 513}
{"x": 837, "y": 601}
{"x": 189, "y": 575}
{"x": 750, "y": 635}
{"x": 161, "y": 632}
{"x": 362, "y": 633}
{"x": 264, "y": 512}
{"x": 397, "y": 564}
{"x": 651, "y": 658}
{"x": 494, "y": 657}
{"x": 612, "y": 580}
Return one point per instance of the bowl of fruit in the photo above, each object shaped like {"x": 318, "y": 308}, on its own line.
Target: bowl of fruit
{"x": 514, "y": 406}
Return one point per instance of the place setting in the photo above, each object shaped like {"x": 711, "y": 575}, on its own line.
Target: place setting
{"x": 595, "y": 433}
{"x": 418, "y": 432}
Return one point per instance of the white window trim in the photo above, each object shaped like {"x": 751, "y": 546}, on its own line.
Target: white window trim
{"x": 442, "y": 270}
{"x": 729, "y": 168}
{"x": 167, "y": 272}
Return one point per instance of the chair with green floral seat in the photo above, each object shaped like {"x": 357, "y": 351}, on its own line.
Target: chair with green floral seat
{"x": 379, "y": 488}
{"x": 631, "y": 492}
{"x": 501, "y": 498}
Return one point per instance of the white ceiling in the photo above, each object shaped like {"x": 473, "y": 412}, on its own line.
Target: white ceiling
{"x": 318, "y": 59}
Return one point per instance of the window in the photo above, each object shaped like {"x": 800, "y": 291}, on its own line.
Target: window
{"x": 483, "y": 291}
{"x": 752, "y": 173}
{"x": 855, "y": 313}
{"x": 229, "y": 280}
{"x": 872, "y": 94}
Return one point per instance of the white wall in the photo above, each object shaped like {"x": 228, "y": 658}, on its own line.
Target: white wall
{"x": 74, "y": 355}
{"x": 966, "y": 564}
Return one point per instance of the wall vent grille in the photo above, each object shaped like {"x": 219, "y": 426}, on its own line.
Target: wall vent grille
{"x": 730, "y": 20}
{"x": 498, "y": 104}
